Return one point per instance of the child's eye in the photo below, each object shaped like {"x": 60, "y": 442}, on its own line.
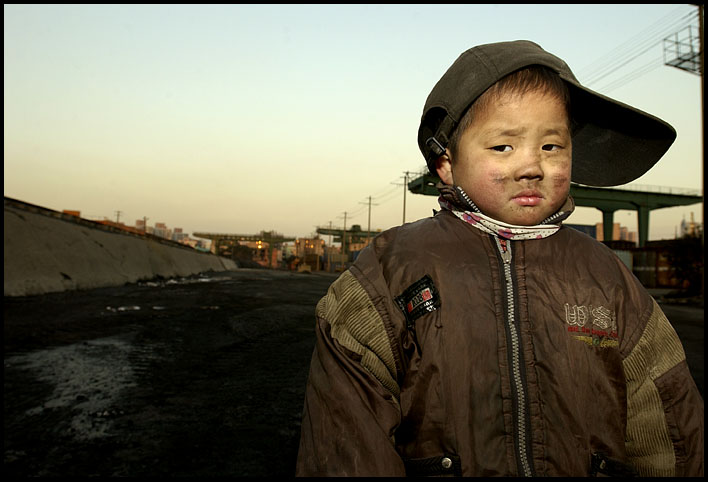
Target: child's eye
{"x": 550, "y": 147}
{"x": 503, "y": 148}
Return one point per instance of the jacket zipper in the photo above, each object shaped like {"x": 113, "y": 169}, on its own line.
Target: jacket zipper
{"x": 519, "y": 394}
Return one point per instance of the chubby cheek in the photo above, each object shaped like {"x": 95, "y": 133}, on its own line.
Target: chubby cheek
{"x": 488, "y": 194}
{"x": 561, "y": 184}
{"x": 561, "y": 176}
{"x": 481, "y": 177}
{"x": 496, "y": 176}
{"x": 491, "y": 185}
{"x": 484, "y": 186}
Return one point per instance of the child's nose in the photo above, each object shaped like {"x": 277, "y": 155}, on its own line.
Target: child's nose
{"x": 529, "y": 166}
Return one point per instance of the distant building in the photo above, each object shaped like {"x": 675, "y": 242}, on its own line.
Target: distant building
{"x": 652, "y": 264}
{"x": 161, "y": 230}
{"x": 72, "y": 213}
{"x": 689, "y": 229}
{"x": 178, "y": 235}
{"x": 619, "y": 233}
{"x": 310, "y": 253}
{"x": 308, "y": 246}
{"x": 289, "y": 249}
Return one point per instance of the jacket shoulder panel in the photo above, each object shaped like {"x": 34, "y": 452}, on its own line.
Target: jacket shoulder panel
{"x": 657, "y": 351}
{"x": 358, "y": 326}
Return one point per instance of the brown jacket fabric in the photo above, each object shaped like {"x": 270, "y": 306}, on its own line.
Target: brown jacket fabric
{"x": 550, "y": 361}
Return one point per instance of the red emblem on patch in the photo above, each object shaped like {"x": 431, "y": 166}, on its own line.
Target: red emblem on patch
{"x": 420, "y": 298}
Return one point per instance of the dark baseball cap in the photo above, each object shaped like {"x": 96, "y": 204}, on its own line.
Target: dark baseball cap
{"x": 613, "y": 143}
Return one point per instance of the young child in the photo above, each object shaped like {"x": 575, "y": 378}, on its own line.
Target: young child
{"x": 489, "y": 340}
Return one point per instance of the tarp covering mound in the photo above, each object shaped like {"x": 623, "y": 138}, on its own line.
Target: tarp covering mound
{"x": 48, "y": 251}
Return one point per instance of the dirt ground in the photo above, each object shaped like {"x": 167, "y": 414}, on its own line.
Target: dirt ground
{"x": 202, "y": 376}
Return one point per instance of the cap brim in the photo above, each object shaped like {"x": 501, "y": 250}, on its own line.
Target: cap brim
{"x": 613, "y": 143}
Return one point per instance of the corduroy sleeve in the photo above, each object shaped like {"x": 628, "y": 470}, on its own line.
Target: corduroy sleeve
{"x": 351, "y": 405}
{"x": 664, "y": 408}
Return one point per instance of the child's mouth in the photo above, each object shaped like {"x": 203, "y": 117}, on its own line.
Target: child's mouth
{"x": 528, "y": 198}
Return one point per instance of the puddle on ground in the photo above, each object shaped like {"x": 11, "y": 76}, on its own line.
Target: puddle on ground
{"x": 85, "y": 378}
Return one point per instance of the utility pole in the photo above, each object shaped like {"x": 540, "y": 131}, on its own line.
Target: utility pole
{"x": 145, "y": 224}
{"x": 405, "y": 188}
{"x": 368, "y": 229}
{"x": 118, "y": 213}
{"x": 329, "y": 250}
{"x": 344, "y": 234}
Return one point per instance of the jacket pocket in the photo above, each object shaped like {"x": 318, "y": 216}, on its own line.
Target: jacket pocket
{"x": 447, "y": 464}
{"x": 603, "y": 466}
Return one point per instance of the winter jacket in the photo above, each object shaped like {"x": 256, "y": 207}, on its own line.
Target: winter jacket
{"x": 440, "y": 352}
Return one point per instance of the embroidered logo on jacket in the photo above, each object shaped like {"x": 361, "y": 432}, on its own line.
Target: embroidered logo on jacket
{"x": 594, "y": 325}
{"x": 418, "y": 299}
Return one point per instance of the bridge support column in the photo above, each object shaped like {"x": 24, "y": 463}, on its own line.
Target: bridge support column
{"x": 607, "y": 224}
{"x": 643, "y": 224}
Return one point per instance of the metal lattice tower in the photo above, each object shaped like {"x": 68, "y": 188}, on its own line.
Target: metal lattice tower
{"x": 683, "y": 50}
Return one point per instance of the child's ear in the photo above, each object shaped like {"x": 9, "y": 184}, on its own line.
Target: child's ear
{"x": 444, "y": 168}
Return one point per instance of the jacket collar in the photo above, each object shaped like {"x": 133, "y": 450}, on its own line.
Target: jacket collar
{"x": 456, "y": 200}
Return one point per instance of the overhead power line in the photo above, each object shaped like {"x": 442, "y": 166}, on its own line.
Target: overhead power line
{"x": 635, "y": 74}
{"x": 385, "y": 194}
{"x": 393, "y": 194}
{"x": 627, "y": 52}
{"x": 649, "y": 34}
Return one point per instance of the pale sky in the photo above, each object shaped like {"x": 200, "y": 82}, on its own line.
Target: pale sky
{"x": 242, "y": 118}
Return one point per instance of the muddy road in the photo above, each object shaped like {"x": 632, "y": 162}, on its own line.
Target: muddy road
{"x": 194, "y": 377}
{"x": 200, "y": 377}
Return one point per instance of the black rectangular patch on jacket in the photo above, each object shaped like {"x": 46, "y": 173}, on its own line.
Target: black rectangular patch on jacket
{"x": 418, "y": 299}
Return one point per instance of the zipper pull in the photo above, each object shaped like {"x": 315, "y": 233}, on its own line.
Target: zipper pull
{"x": 506, "y": 256}
{"x": 504, "y": 250}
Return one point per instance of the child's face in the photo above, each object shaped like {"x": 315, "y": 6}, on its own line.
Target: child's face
{"x": 514, "y": 160}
